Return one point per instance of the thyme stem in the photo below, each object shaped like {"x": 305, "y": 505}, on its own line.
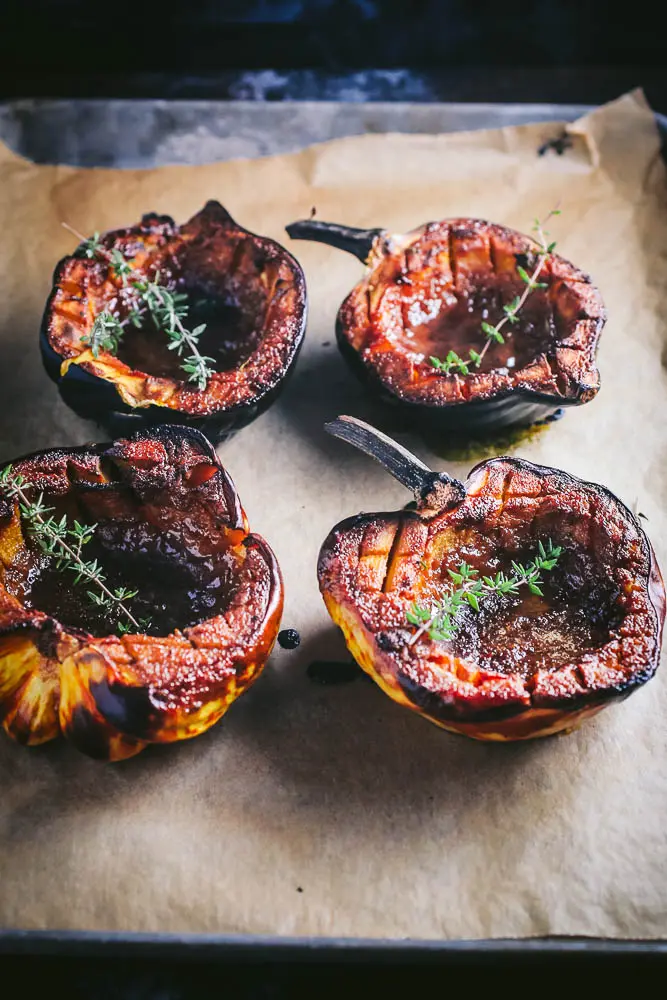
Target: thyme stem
{"x": 75, "y": 232}
{"x": 522, "y": 299}
{"x": 161, "y": 304}
{"x": 58, "y": 546}
{"x": 470, "y": 590}
{"x": 453, "y": 362}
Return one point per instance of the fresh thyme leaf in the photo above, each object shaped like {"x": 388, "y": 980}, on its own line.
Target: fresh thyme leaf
{"x": 197, "y": 368}
{"x": 473, "y": 600}
{"x": 120, "y": 266}
{"x": 438, "y": 619}
{"x": 442, "y": 634}
{"x": 167, "y": 308}
{"x": 105, "y": 335}
{"x": 451, "y": 363}
{"x": 56, "y": 538}
{"x": 510, "y": 309}
{"x": 493, "y": 333}
{"x": 91, "y": 247}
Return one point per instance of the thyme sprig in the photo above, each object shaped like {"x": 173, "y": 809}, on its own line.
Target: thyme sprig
{"x": 65, "y": 543}
{"x": 167, "y": 309}
{"x": 106, "y": 333}
{"x": 453, "y": 362}
{"x": 469, "y": 590}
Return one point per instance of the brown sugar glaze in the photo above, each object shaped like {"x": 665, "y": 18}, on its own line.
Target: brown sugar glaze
{"x": 229, "y": 339}
{"x": 523, "y": 633}
{"x": 442, "y": 321}
{"x": 178, "y": 585}
{"x": 232, "y": 304}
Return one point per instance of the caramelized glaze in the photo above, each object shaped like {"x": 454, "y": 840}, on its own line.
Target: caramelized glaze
{"x": 246, "y": 289}
{"x": 229, "y": 339}
{"x": 523, "y": 633}
{"x": 170, "y": 523}
{"x": 454, "y": 323}
{"x": 178, "y": 585}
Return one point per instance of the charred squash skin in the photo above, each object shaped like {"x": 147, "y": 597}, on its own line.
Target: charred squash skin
{"x": 373, "y": 567}
{"x": 427, "y": 292}
{"x": 167, "y": 507}
{"x": 254, "y": 298}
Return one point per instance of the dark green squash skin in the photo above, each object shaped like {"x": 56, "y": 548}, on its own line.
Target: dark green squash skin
{"x": 96, "y": 399}
{"x": 516, "y": 408}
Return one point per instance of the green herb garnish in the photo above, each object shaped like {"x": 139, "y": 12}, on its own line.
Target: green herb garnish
{"x": 148, "y": 297}
{"x": 469, "y": 590}
{"x": 65, "y": 543}
{"x": 453, "y": 362}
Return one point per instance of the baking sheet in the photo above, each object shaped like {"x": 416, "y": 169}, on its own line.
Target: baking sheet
{"x": 388, "y": 827}
{"x": 150, "y": 133}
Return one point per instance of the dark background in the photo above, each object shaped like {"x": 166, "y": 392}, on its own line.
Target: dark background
{"x": 572, "y": 51}
{"x": 472, "y": 50}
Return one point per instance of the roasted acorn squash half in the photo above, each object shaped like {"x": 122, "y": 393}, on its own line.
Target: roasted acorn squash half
{"x": 525, "y": 664}
{"x": 428, "y": 292}
{"x": 169, "y": 523}
{"x": 247, "y": 290}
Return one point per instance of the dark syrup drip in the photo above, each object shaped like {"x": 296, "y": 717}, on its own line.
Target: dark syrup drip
{"x": 289, "y": 638}
{"x": 334, "y": 672}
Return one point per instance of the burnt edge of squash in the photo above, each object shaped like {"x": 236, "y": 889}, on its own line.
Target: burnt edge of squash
{"x": 91, "y": 390}
{"x": 98, "y": 698}
{"x": 594, "y": 689}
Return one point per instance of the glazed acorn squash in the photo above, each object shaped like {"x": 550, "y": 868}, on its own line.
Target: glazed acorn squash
{"x": 524, "y": 664}
{"x": 247, "y": 290}
{"x": 428, "y": 293}
{"x": 169, "y": 524}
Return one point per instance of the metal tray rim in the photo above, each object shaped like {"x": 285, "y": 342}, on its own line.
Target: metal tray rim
{"x": 289, "y": 949}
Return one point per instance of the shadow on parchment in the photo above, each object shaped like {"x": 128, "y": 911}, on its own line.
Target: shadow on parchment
{"x": 346, "y": 749}
{"x": 323, "y": 388}
{"x": 32, "y": 414}
{"x": 340, "y": 750}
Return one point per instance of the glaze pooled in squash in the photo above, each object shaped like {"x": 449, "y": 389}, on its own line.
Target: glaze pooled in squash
{"x": 248, "y": 291}
{"x": 522, "y": 666}
{"x": 427, "y": 293}
{"x": 170, "y": 525}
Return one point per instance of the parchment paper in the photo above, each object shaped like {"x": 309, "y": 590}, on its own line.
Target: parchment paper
{"x": 329, "y": 810}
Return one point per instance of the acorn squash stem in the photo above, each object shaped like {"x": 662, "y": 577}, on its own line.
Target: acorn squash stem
{"x": 355, "y": 241}
{"x": 401, "y": 463}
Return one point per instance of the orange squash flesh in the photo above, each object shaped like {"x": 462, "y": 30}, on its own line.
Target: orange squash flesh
{"x": 521, "y": 667}
{"x": 246, "y": 289}
{"x": 169, "y": 521}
